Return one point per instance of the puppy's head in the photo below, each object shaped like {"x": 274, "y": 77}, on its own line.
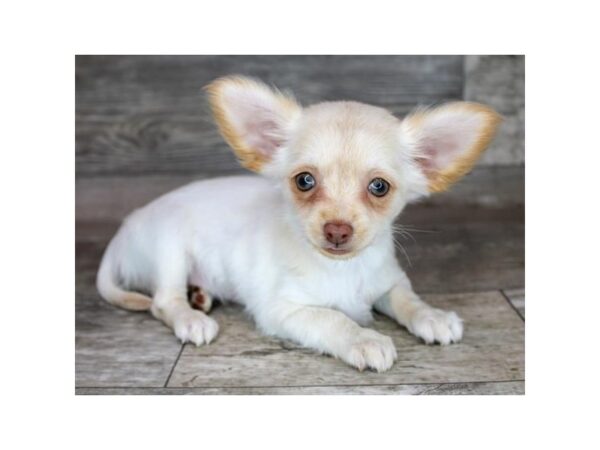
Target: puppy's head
{"x": 346, "y": 168}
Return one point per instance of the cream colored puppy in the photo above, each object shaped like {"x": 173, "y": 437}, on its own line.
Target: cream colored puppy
{"x": 307, "y": 248}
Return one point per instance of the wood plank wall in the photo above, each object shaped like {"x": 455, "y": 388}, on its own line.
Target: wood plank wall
{"x": 142, "y": 115}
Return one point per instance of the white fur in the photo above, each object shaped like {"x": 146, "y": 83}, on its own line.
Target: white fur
{"x": 244, "y": 240}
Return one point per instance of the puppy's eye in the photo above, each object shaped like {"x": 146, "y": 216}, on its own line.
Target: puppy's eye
{"x": 305, "y": 181}
{"x": 379, "y": 187}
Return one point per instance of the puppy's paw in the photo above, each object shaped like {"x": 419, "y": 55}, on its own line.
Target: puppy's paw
{"x": 435, "y": 325}
{"x": 195, "y": 327}
{"x": 371, "y": 350}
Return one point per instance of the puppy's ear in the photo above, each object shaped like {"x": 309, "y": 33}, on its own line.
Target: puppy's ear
{"x": 254, "y": 119}
{"x": 448, "y": 140}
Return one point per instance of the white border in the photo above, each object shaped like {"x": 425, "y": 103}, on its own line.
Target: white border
{"x": 39, "y": 40}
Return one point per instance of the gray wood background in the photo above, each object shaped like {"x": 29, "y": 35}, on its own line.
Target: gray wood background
{"x": 140, "y": 115}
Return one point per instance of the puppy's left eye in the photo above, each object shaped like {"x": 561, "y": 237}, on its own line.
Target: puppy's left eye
{"x": 379, "y": 187}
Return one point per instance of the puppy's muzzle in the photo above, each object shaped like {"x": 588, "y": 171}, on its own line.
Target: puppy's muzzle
{"x": 338, "y": 233}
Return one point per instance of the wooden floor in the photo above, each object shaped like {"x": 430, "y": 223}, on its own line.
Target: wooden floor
{"x": 468, "y": 256}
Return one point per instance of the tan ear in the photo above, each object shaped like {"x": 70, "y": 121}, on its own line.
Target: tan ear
{"x": 449, "y": 139}
{"x": 254, "y": 119}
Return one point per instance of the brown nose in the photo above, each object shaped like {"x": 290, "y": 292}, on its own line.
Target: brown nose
{"x": 338, "y": 232}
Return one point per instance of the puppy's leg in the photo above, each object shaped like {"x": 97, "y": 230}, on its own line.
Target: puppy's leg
{"x": 428, "y": 323}
{"x": 329, "y": 331}
{"x": 170, "y": 301}
{"x": 189, "y": 325}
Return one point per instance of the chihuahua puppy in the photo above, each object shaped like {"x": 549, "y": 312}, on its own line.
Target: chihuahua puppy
{"x": 307, "y": 247}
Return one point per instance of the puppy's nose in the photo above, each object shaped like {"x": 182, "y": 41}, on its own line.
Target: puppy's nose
{"x": 338, "y": 232}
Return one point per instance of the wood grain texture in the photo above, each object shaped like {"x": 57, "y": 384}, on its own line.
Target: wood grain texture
{"x": 502, "y": 388}
{"x": 499, "y": 81}
{"x": 114, "y": 347}
{"x": 517, "y": 299}
{"x": 492, "y": 350}
{"x": 472, "y": 237}
{"x": 148, "y": 114}
{"x": 465, "y": 257}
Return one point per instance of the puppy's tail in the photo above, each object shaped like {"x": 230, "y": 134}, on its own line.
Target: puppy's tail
{"x": 112, "y": 293}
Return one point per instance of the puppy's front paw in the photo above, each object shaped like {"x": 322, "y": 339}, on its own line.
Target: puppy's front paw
{"x": 435, "y": 325}
{"x": 195, "y": 326}
{"x": 371, "y": 350}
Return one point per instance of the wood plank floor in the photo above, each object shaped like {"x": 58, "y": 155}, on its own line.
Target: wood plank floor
{"x": 469, "y": 257}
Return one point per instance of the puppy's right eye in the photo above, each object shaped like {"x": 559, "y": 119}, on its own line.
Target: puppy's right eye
{"x": 305, "y": 181}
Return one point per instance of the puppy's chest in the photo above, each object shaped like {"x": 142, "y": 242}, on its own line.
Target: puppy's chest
{"x": 347, "y": 289}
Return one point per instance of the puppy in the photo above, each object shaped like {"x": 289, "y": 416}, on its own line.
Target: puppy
{"x": 308, "y": 247}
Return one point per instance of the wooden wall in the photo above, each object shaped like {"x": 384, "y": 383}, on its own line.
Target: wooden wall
{"x": 147, "y": 115}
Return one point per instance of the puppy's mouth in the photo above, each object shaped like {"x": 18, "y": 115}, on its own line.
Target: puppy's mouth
{"x": 337, "y": 250}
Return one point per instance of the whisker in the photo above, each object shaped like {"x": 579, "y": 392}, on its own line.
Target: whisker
{"x": 406, "y": 235}
{"x": 416, "y": 230}
{"x": 398, "y": 244}
{"x": 402, "y": 232}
